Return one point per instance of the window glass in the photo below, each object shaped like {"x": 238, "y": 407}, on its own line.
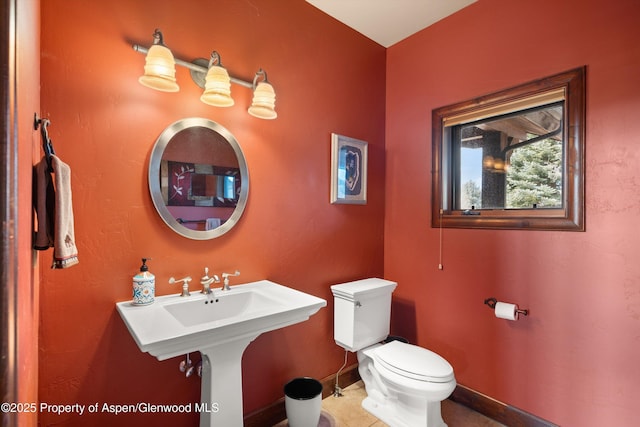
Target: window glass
{"x": 510, "y": 162}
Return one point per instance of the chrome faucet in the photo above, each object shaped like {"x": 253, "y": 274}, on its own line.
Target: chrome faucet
{"x": 206, "y": 281}
{"x": 185, "y": 285}
{"x": 226, "y": 276}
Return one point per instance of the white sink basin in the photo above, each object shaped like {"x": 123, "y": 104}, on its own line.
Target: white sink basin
{"x": 220, "y": 326}
{"x": 175, "y": 325}
{"x": 222, "y": 305}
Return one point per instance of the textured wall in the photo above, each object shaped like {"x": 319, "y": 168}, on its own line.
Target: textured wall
{"x": 574, "y": 360}
{"x": 104, "y": 124}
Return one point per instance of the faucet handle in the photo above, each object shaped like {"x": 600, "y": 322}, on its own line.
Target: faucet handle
{"x": 226, "y": 276}
{"x": 185, "y": 285}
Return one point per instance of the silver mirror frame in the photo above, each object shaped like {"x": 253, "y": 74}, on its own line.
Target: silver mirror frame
{"x": 154, "y": 178}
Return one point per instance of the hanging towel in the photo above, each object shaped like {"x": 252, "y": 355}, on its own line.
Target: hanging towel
{"x": 65, "y": 252}
{"x": 44, "y": 204}
{"x": 54, "y": 207}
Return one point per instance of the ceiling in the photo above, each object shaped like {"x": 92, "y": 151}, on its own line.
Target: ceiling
{"x": 389, "y": 21}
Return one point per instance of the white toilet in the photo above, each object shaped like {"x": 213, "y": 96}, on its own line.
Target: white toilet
{"x": 405, "y": 383}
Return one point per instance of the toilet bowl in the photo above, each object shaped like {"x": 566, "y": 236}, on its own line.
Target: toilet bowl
{"x": 405, "y": 384}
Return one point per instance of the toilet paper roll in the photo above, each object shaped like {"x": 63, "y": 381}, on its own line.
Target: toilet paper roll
{"x": 506, "y": 311}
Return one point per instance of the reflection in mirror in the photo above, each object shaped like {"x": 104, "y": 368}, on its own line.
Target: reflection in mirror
{"x": 513, "y": 159}
{"x": 198, "y": 178}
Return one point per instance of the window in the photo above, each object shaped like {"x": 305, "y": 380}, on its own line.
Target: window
{"x": 513, "y": 159}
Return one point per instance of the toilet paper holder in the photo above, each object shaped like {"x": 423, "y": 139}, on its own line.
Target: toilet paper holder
{"x": 491, "y": 302}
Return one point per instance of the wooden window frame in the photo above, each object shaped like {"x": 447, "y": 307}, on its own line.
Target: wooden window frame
{"x": 570, "y": 87}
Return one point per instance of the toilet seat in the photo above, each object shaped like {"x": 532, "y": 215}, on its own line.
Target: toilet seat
{"x": 413, "y": 362}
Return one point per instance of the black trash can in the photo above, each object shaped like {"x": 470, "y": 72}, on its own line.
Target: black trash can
{"x": 303, "y": 402}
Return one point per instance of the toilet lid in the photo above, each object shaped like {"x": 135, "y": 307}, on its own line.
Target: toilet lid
{"x": 414, "y": 362}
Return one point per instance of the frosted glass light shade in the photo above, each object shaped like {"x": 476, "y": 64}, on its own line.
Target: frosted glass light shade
{"x": 264, "y": 102}
{"x": 217, "y": 88}
{"x": 160, "y": 70}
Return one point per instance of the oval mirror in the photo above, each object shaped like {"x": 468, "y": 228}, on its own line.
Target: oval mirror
{"x": 198, "y": 178}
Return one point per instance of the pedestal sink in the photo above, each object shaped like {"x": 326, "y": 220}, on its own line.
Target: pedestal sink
{"x": 220, "y": 326}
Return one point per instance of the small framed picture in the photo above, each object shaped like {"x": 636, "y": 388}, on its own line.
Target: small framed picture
{"x": 348, "y": 170}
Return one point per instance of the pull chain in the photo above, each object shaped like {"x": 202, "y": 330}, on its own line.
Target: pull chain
{"x": 440, "y": 266}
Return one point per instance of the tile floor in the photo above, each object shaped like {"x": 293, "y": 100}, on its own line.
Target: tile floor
{"x": 346, "y": 411}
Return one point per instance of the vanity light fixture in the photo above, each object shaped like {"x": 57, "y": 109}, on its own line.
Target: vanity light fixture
{"x": 264, "y": 98}
{"x": 217, "y": 86}
{"x": 159, "y": 74}
{"x": 160, "y": 67}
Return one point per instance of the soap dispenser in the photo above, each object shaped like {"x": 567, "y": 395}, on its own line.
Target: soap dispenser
{"x": 144, "y": 285}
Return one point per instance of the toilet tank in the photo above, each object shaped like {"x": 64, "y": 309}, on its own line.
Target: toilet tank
{"x": 362, "y": 312}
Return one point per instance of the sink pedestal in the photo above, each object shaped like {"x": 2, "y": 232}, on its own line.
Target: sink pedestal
{"x": 221, "y": 389}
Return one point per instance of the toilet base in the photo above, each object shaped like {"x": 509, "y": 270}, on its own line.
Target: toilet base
{"x": 398, "y": 401}
{"x": 388, "y": 414}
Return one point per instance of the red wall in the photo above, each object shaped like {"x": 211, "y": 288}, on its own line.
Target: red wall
{"x": 574, "y": 360}
{"x": 104, "y": 124}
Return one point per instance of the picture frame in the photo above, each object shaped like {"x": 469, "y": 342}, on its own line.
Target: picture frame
{"x": 349, "y": 157}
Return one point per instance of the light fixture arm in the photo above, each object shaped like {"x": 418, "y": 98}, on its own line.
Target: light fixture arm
{"x": 157, "y": 37}
{"x": 260, "y": 73}
{"x": 194, "y": 67}
{"x": 215, "y": 59}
